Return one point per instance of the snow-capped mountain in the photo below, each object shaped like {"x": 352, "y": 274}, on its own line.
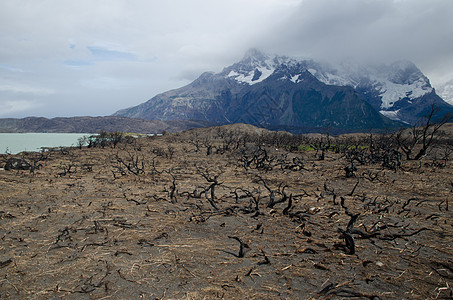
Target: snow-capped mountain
{"x": 446, "y": 91}
{"x": 392, "y": 83}
{"x": 388, "y": 84}
{"x": 289, "y": 93}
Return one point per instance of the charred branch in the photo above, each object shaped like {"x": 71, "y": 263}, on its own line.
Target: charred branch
{"x": 242, "y": 247}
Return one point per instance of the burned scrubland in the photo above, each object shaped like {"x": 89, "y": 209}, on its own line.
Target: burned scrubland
{"x": 234, "y": 212}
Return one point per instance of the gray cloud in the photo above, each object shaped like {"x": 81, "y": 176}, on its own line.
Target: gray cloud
{"x": 63, "y": 58}
{"x": 386, "y": 30}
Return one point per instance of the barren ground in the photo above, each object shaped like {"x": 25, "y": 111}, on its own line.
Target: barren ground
{"x": 83, "y": 226}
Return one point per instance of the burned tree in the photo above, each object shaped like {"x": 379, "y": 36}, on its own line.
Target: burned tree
{"x": 172, "y": 192}
{"x": 133, "y": 162}
{"x": 272, "y": 193}
{"x": 424, "y": 133}
{"x": 322, "y": 144}
{"x": 213, "y": 180}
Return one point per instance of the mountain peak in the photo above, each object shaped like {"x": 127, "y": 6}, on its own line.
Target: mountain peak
{"x": 404, "y": 64}
{"x": 255, "y": 67}
{"x": 255, "y": 54}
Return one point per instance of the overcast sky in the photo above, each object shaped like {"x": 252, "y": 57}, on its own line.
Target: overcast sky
{"x": 89, "y": 57}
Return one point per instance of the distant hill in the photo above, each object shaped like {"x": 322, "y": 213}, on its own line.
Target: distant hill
{"x": 96, "y": 124}
{"x": 236, "y": 129}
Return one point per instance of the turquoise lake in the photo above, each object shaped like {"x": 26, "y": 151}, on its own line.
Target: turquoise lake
{"x": 17, "y": 142}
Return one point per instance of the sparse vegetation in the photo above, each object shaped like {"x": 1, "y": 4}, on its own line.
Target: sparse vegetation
{"x": 229, "y": 212}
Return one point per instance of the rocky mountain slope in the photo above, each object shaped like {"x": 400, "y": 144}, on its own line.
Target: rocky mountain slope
{"x": 96, "y": 124}
{"x": 280, "y": 92}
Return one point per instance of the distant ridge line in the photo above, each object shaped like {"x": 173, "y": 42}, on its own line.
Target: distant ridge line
{"x": 86, "y": 124}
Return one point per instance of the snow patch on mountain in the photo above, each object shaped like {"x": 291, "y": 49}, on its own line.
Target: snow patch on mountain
{"x": 446, "y": 92}
{"x": 251, "y": 77}
{"x": 393, "y": 115}
{"x": 255, "y": 67}
{"x": 296, "y": 78}
{"x": 392, "y": 92}
{"x": 334, "y": 79}
{"x": 393, "y": 83}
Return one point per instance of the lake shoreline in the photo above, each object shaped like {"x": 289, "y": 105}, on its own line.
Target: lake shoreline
{"x": 14, "y": 143}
